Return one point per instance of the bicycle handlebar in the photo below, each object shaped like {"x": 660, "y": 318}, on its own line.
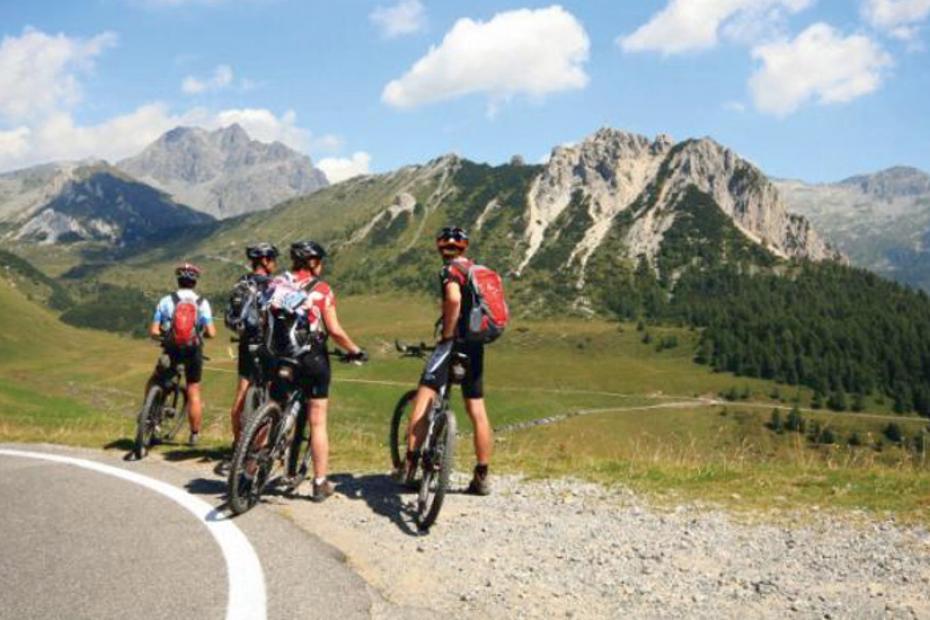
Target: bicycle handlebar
{"x": 413, "y": 350}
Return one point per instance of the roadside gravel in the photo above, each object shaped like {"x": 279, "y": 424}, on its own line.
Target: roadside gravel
{"x": 571, "y": 549}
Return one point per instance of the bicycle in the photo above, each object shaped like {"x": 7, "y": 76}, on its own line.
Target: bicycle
{"x": 436, "y": 453}
{"x": 274, "y": 435}
{"x": 161, "y": 407}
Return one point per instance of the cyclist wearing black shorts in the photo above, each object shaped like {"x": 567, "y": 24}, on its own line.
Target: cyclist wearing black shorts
{"x": 264, "y": 261}
{"x": 451, "y": 242}
{"x": 191, "y": 357}
{"x": 321, "y": 323}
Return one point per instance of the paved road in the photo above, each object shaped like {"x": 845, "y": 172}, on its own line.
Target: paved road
{"x": 97, "y": 543}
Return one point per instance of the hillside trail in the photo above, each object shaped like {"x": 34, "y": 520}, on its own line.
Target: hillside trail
{"x": 566, "y": 548}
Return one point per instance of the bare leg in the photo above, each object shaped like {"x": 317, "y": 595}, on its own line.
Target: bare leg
{"x": 484, "y": 438}
{"x": 417, "y": 427}
{"x": 319, "y": 440}
{"x": 235, "y": 415}
{"x": 194, "y": 407}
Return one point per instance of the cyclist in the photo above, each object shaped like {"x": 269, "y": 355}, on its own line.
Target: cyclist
{"x": 321, "y": 323}
{"x": 164, "y": 326}
{"x": 264, "y": 262}
{"x": 452, "y": 242}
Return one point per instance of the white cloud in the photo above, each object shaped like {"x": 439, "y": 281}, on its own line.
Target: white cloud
{"x": 692, "y": 25}
{"x": 39, "y": 72}
{"x": 222, "y": 77}
{"x": 58, "y": 137}
{"x": 339, "y": 169}
{"x": 531, "y": 52}
{"x": 405, "y": 17}
{"x": 819, "y": 64}
{"x": 899, "y": 18}
{"x": 734, "y": 106}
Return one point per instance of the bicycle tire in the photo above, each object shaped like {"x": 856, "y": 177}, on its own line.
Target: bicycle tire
{"x": 254, "y": 399}
{"x": 179, "y": 412}
{"x": 398, "y": 436}
{"x": 427, "y": 512}
{"x": 145, "y": 429}
{"x": 245, "y": 488}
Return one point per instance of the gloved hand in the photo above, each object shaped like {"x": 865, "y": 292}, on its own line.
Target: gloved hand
{"x": 361, "y": 356}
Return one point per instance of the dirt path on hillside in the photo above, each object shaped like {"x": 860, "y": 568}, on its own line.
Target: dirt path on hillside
{"x": 570, "y": 549}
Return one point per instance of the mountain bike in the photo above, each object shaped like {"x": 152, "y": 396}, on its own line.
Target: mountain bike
{"x": 437, "y": 451}
{"x": 273, "y": 439}
{"x": 164, "y": 410}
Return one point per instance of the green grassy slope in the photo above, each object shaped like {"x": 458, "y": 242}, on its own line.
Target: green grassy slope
{"x": 642, "y": 424}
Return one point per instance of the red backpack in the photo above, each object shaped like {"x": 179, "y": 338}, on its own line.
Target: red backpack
{"x": 488, "y": 314}
{"x": 183, "y": 333}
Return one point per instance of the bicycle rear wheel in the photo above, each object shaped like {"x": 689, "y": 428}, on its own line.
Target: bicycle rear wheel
{"x": 253, "y": 460}
{"x": 178, "y": 410}
{"x": 147, "y": 422}
{"x": 399, "y": 422}
{"x": 437, "y": 463}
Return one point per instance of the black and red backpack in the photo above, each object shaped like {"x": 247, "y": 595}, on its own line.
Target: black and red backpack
{"x": 487, "y": 309}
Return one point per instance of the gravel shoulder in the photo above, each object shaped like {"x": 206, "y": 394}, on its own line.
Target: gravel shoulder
{"x": 572, "y": 549}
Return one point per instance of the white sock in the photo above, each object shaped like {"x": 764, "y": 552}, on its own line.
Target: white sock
{"x": 319, "y": 481}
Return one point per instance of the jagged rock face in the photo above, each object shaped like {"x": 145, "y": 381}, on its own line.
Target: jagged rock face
{"x": 881, "y": 220}
{"x": 224, "y": 172}
{"x": 614, "y": 171}
{"x": 100, "y": 203}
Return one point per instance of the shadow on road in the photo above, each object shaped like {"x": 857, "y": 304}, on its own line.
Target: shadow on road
{"x": 205, "y": 455}
{"x": 206, "y": 486}
{"x": 382, "y": 495}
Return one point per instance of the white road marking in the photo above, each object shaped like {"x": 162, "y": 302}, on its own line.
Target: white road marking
{"x": 245, "y": 579}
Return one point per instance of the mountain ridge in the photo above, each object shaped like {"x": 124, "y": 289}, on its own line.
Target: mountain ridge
{"x": 224, "y": 172}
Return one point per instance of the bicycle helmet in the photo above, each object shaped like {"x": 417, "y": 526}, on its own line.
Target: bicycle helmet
{"x": 187, "y": 271}
{"x": 452, "y": 241}
{"x": 261, "y": 250}
{"x": 305, "y": 250}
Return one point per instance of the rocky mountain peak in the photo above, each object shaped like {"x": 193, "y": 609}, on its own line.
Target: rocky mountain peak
{"x": 224, "y": 172}
{"x": 898, "y": 181}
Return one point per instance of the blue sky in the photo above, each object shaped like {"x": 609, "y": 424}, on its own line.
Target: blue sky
{"x": 811, "y": 89}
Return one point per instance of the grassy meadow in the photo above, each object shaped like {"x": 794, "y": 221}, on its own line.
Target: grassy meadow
{"x": 625, "y": 412}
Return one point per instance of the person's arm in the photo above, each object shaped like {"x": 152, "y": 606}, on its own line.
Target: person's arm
{"x": 209, "y": 328}
{"x": 336, "y": 332}
{"x": 155, "y": 330}
{"x": 451, "y": 308}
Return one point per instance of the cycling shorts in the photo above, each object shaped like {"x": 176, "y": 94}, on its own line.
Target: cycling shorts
{"x": 247, "y": 364}
{"x": 192, "y": 360}
{"x": 436, "y": 373}
{"x": 315, "y": 375}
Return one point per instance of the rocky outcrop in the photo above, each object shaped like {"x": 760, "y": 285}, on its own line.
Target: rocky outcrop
{"x": 615, "y": 171}
{"x": 224, "y": 172}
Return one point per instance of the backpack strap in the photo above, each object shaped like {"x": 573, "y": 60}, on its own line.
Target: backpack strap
{"x": 175, "y": 299}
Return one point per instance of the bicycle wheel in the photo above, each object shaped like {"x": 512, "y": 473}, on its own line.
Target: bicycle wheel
{"x": 253, "y": 460}
{"x": 399, "y": 423}
{"x": 254, "y": 399}
{"x": 147, "y": 422}
{"x": 175, "y": 415}
{"x": 437, "y": 467}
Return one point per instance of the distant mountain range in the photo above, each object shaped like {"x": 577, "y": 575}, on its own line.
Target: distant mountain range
{"x": 881, "y": 220}
{"x": 87, "y": 201}
{"x": 224, "y": 172}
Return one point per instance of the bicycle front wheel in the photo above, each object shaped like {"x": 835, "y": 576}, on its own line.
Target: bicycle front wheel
{"x": 437, "y": 462}
{"x": 399, "y": 422}
{"x": 147, "y": 422}
{"x": 254, "y": 399}
{"x": 254, "y": 458}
